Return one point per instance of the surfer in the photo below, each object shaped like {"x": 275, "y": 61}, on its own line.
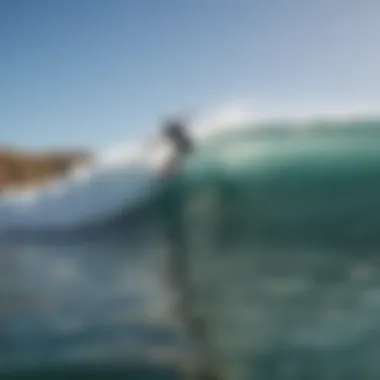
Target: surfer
{"x": 175, "y": 132}
{"x": 197, "y": 366}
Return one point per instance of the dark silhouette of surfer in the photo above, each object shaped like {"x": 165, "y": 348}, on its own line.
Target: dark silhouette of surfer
{"x": 177, "y": 134}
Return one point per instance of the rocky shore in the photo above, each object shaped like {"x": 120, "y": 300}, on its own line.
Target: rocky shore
{"x": 20, "y": 169}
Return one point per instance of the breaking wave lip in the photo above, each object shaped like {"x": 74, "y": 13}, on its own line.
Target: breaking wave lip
{"x": 236, "y": 120}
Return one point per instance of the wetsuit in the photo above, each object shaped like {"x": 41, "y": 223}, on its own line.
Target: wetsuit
{"x": 176, "y": 133}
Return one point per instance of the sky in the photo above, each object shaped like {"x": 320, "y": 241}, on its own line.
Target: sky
{"x": 91, "y": 73}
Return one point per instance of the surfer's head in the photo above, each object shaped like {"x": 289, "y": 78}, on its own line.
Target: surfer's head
{"x": 174, "y": 129}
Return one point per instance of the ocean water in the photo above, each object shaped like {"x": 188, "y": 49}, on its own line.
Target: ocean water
{"x": 103, "y": 302}
{"x": 262, "y": 256}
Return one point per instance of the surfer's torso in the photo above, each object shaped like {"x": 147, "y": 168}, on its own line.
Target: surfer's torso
{"x": 182, "y": 143}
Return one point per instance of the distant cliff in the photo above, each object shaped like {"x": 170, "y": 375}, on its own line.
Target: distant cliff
{"x": 20, "y": 169}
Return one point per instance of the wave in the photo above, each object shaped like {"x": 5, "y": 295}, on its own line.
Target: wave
{"x": 124, "y": 179}
{"x": 280, "y": 218}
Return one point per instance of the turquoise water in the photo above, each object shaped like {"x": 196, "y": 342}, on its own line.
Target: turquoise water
{"x": 283, "y": 229}
{"x": 271, "y": 237}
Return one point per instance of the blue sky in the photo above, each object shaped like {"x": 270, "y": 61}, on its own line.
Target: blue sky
{"x": 94, "y": 72}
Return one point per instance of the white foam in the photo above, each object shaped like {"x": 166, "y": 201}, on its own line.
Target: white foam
{"x": 240, "y": 115}
{"x": 227, "y": 118}
{"x": 117, "y": 179}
